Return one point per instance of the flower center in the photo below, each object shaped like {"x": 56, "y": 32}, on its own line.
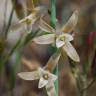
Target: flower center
{"x": 45, "y": 76}
{"x": 28, "y": 21}
{"x": 62, "y": 38}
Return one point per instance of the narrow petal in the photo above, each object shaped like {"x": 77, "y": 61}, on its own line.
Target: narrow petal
{"x": 70, "y": 25}
{"x": 42, "y": 82}
{"x": 53, "y": 61}
{"x": 45, "y": 27}
{"x": 52, "y": 77}
{"x": 41, "y": 71}
{"x": 45, "y": 39}
{"x": 40, "y": 9}
{"x": 29, "y": 28}
{"x": 71, "y": 52}
{"x": 68, "y": 37}
{"x": 50, "y": 88}
{"x": 59, "y": 43}
{"x": 29, "y": 75}
{"x": 24, "y": 19}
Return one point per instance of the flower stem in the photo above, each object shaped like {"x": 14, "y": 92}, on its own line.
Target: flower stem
{"x": 53, "y": 24}
{"x": 53, "y": 13}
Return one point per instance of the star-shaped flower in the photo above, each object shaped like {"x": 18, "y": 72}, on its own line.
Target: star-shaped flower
{"x": 28, "y": 21}
{"x": 37, "y": 12}
{"x": 46, "y": 78}
{"x": 60, "y": 36}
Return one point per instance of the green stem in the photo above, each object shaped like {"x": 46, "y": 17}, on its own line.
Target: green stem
{"x": 53, "y": 24}
{"x": 53, "y": 13}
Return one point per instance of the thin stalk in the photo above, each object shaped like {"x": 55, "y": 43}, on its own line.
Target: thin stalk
{"x": 8, "y": 55}
{"x": 80, "y": 83}
{"x": 53, "y": 24}
{"x": 53, "y": 13}
{"x": 9, "y": 22}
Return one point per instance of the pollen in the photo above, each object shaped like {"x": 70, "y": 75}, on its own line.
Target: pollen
{"x": 28, "y": 21}
{"x": 45, "y": 76}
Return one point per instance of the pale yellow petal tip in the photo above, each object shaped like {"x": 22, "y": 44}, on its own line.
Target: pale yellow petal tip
{"x": 75, "y": 59}
{"x": 20, "y": 75}
{"x": 78, "y": 60}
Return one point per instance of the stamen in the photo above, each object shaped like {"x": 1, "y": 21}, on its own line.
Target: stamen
{"x": 28, "y": 21}
{"x": 46, "y": 76}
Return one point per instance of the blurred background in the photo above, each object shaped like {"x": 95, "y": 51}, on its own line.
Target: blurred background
{"x": 32, "y": 55}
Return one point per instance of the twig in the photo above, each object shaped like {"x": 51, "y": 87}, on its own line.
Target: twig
{"x": 89, "y": 85}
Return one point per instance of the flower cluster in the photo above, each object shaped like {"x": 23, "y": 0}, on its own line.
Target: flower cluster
{"x": 60, "y": 37}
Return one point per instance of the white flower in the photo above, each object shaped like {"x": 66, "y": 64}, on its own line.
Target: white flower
{"x": 46, "y": 78}
{"x": 28, "y": 21}
{"x": 60, "y": 36}
{"x": 37, "y": 12}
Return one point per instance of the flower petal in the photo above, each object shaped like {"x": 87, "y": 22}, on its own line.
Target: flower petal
{"x": 42, "y": 82}
{"x": 17, "y": 27}
{"x": 45, "y": 27}
{"x": 45, "y": 39}
{"x": 59, "y": 43}
{"x": 71, "y": 52}
{"x": 51, "y": 89}
{"x": 52, "y": 62}
{"x": 70, "y": 25}
{"x": 52, "y": 77}
{"x": 29, "y": 75}
{"x": 40, "y": 10}
{"x": 25, "y": 23}
{"x": 68, "y": 37}
{"x": 29, "y": 19}
{"x": 41, "y": 71}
